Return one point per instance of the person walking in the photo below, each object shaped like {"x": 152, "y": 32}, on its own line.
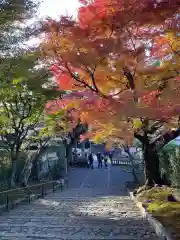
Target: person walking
{"x": 99, "y": 158}
{"x": 110, "y": 156}
{"x": 91, "y": 160}
{"x": 105, "y": 161}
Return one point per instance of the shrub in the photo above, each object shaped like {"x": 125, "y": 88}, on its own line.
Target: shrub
{"x": 5, "y": 168}
{"x": 174, "y": 158}
{"x": 170, "y": 164}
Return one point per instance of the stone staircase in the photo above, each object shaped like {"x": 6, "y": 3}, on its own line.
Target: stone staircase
{"x": 77, "y": 214}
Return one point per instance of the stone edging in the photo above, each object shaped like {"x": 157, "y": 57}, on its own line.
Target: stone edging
{"x": 159, "y": 229}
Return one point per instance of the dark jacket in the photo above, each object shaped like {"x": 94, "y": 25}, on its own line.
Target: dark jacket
{"x": 99, "y": 157}
{"x": 90, "y": 158}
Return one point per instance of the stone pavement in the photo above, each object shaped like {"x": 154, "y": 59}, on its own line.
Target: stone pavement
{"x": 94, "y": 207}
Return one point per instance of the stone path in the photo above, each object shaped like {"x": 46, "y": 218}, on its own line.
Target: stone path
{"x": 94, "y": 207}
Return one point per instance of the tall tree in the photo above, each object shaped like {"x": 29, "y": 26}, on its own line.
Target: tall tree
{"x": 13, "y": 22}
{"x": 23, "y": 98}
{"x": 113, "y": 57}
{"x": 70, "y": 126}
{"x": 106, "y": 52}
{"x": 106, "y": 125}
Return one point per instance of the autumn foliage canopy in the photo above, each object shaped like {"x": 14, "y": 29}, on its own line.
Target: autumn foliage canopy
{"x": 119, "y": 59}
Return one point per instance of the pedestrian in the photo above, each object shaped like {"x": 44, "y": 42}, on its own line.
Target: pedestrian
{"x": 86, "y": 158}
{"x": 105, "y": 161}
{"x": 91, "y": 160}
{"x": 110, "y": 156}
{"x": 99, "y": 158}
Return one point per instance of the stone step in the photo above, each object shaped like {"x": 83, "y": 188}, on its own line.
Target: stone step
{"x": 70, "y": 206}
{"x": 77, "y": 198}
{"x": 74, "y": 231}
{"x": 79, "y": 206}
{"x": 52, "y": 220}
{"x": 76, "y": 238}
{"x": 86, "y": 196}
{"x": 92, "y": 190}
{"x": 86, "y": 199}
{"x": 70, "y": 225}
{"x": 85, "y": 214}
{"x": 80, "y": 210}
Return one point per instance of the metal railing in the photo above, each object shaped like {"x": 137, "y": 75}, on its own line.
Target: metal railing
{"x": 11, "y": 198}
{"x": 121, "y": 162}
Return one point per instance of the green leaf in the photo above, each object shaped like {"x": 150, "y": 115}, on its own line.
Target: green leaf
{"x": 17, "y": 81}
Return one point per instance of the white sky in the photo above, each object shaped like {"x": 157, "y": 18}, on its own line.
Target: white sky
{"x": 55, "y": 8}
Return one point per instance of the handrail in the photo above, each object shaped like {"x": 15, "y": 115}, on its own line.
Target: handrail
{"x": 121, "y": 162}
{"x": 40, "y": 194}
{"x": 27, "y": 187}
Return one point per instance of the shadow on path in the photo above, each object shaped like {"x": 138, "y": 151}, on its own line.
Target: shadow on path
{"x": 94, "y": 207}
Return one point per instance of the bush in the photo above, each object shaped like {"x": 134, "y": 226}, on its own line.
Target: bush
{"x": 165, "y": 166}
{"x": 170, "y": 164}
{"x": 5, "y": 168}
{"x": 175, "y": 167}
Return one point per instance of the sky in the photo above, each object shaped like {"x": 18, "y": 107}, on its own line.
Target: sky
{"x": 55, "y": 8}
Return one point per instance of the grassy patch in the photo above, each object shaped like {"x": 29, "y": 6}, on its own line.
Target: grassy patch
{"x": 168, "y": 213}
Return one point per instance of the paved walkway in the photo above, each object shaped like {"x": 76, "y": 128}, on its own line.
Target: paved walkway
{"x": 94, "y": 207}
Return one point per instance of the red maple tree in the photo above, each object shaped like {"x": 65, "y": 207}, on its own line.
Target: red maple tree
{"x": 111, "y": 60}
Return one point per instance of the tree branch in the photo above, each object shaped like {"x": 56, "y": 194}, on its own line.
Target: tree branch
{"x": 129, "y": 77}
{"x": 165, "y": 139}
{"x": 154, "y": 127}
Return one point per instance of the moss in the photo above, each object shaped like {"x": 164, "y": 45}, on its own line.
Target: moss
{"x": 155, "y": 193}
{"x": 168, "y": 213}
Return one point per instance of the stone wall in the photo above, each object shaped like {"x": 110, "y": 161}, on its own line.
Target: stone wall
{"x": 54, "y": 155}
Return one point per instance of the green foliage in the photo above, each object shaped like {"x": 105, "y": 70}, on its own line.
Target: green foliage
{"x": 55, "y": 123}
{"x": 25, "y": 86}
{"x": 170, "y": 164}
{"x": 14, "y": 29}
{"x": 20, "y": 108}
{"x": 165, "y": 166}
{"x": 17, "y": 10}
{"x": 5, "y": 168}
{"x": 175, "y": 167}
{"x": 23, "y": 97}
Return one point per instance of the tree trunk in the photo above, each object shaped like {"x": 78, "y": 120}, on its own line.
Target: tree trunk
{"x": 35, "y": 169}
{"x": 13, "y": 173}
{"x": 151, "y": 159}
{"x": 35, "y": 163}
{"x": 152, "y": 170}
{"x": 26, "y": 171}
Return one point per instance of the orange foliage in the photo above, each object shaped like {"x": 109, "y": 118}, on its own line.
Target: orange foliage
{"x": 102, "y": 59}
